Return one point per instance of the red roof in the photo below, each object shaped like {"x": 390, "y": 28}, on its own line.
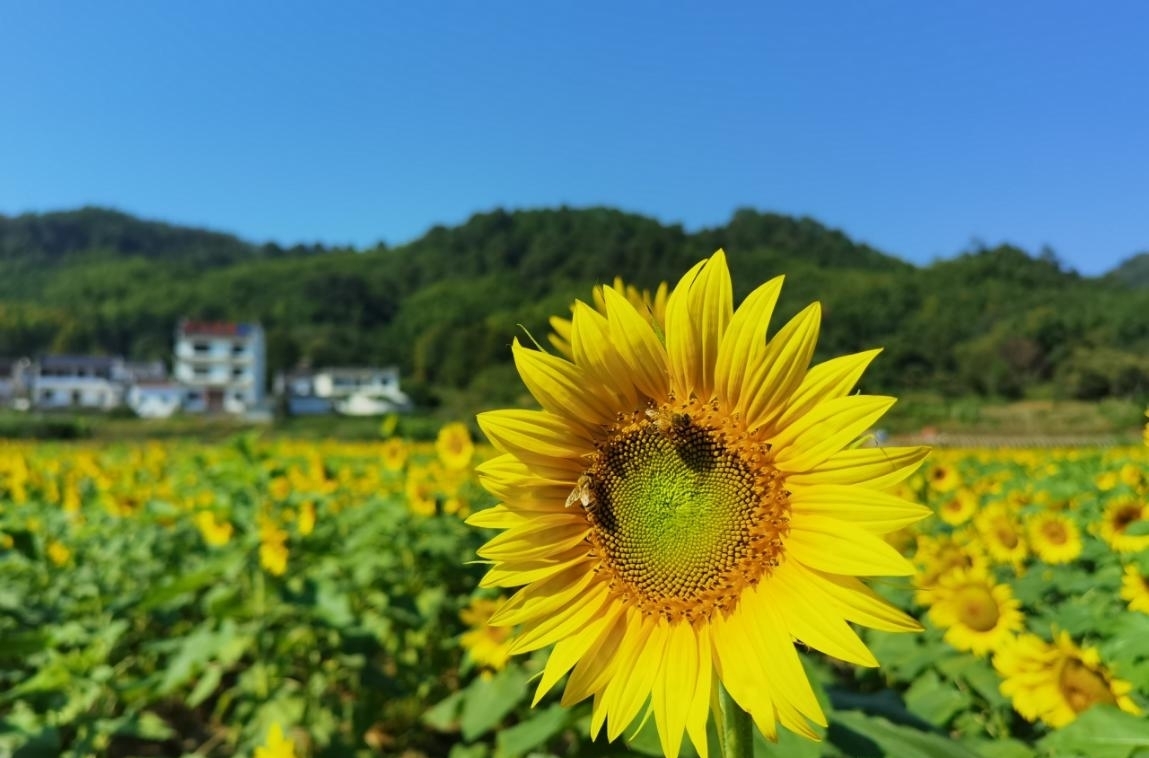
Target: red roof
{"x": 215, "y": 328}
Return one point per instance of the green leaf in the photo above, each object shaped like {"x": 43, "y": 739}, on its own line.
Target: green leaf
{"x": 518, "y": 739}
{"x": 444, "y": 715}
{"x": 864, "y": 733}
{"x": 934, "y": 700}
{"x": 487, "y": 701}
{"x": 146, "y": 726}
{"x": 1103, "y": 731}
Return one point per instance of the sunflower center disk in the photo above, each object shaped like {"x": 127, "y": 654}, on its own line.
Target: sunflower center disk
{"x": 685, "y": 515}
{"x": 1082, "y": 687}
{"x": 977, "y": 608}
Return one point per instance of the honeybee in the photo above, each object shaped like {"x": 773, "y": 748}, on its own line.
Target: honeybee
{"x": 665, "y": 419}
{"x": 583, "y": 492}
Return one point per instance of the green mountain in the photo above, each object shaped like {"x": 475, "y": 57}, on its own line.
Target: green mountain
{"x": 446, "y": 306}
{"x": 1133, "y": 272}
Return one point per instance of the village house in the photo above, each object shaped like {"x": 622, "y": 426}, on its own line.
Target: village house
{"x": 221, "y": 365}
{"x": 354, "y": 391}
{"x": 77, "y": 381}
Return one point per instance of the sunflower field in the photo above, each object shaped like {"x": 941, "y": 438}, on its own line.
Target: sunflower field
{"x": 691, "y": 543}
{"x": 321, "y": 600}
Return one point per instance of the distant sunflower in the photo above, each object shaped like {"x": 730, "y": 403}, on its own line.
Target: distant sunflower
{"x": 689, "y": 503}
{"x": 978, "y": 614}
{"x": 936, "y": 556}
{"x": 488, "y": 646}
{"x": 454, "y": 447}
{"x": 1002, "y": 535}
{"x": 1056, "y": 682}
{"x": 1135, "y": 589}
{"x": 1054, "y": 537}
{"x": 943, "y": 478}
{"x": 394, "y": 454}
{"x": 1120, "y": 516}
{"x": 959, "y": 507}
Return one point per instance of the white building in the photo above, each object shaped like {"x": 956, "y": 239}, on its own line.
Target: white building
{"x": 351, "y": 391}
{"x": 156, "y": 399}
{"x": 222, "y": 365}
{"x": 77, "y": 381}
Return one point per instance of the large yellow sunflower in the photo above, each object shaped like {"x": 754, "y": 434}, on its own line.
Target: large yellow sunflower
{"x": 650, "y": 305}
{"x": 978, "y": 614}
{"x": 689, "y": 503}
{"x": 1056, "y": 682}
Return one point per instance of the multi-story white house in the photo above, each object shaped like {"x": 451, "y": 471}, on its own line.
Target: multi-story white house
{"x": 222, "y": 366}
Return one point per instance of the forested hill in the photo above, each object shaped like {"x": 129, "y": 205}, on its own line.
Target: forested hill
{"x": 445, "y": 307}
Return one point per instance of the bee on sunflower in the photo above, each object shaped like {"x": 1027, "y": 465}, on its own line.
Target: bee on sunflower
{"x": 688, "y": 504}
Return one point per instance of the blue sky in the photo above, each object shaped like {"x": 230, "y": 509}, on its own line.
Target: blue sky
{"x": 917, "y": 127}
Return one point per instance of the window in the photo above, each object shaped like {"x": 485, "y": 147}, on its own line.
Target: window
{"x": 238, "y": 373}
{"x": 46, "y": 394}
{"x": 201, "y": 347}
{"x": 238, "y": 349}
{"x": 201, "y": 372}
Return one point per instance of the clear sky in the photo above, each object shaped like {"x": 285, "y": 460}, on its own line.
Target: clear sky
{"x": 917, "y": 127}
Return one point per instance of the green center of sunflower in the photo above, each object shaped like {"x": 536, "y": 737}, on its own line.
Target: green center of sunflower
{"x": 686, "y": 512}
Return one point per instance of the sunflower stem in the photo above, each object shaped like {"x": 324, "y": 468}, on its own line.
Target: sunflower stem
{"x": 736, "y": 732}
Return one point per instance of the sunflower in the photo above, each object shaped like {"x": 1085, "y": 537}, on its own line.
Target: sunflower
{"x": 454, "y": 446}
{"x": 487, "y": 646}
{"x": 936, "y": 556}
{"x": 276, "y": 745}
{"x": 1002, "y": 535}
{"x": 978, "y": 614}
{"x": 1056, "y": 682}
{"x": 959, "y": 507}
{"x": 1054, "y": 537}
{"x": 1120, "y": 515}
{"x": 394, "y": 454}
{"x": 689, "y": 503}
{"x": 943, "y": 478}
{"x": 1135, "y": 589}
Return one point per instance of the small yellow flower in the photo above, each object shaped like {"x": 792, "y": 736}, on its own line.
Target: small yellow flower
{"x": 489, "y": 646}
{"x": 958, "y": 507}
{"x": 394, "y": 454}
{"x": 1055, "y": 538}
{"x": 1120, "y": 515}
{"x": 273, "y": 552}
{"x": 1135, "y": 589}
{"x": 276, "y": 745}
{"x": 454, "y": 446}
{"x": 1002, "y": 535}
{"x": 944, "y": 478}
{"x": 306, "y": 519}
{"x": 58, "y": 553}
{"x": 215, "y": 533}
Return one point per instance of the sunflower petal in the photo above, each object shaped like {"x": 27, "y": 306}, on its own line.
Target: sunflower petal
{"x": 780, "y": 368}
{"x": 827, "y": 429}
{"x": 639, "y": 346}
{"x": 745, "y": 341}
{"x": 838, "y": 547}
